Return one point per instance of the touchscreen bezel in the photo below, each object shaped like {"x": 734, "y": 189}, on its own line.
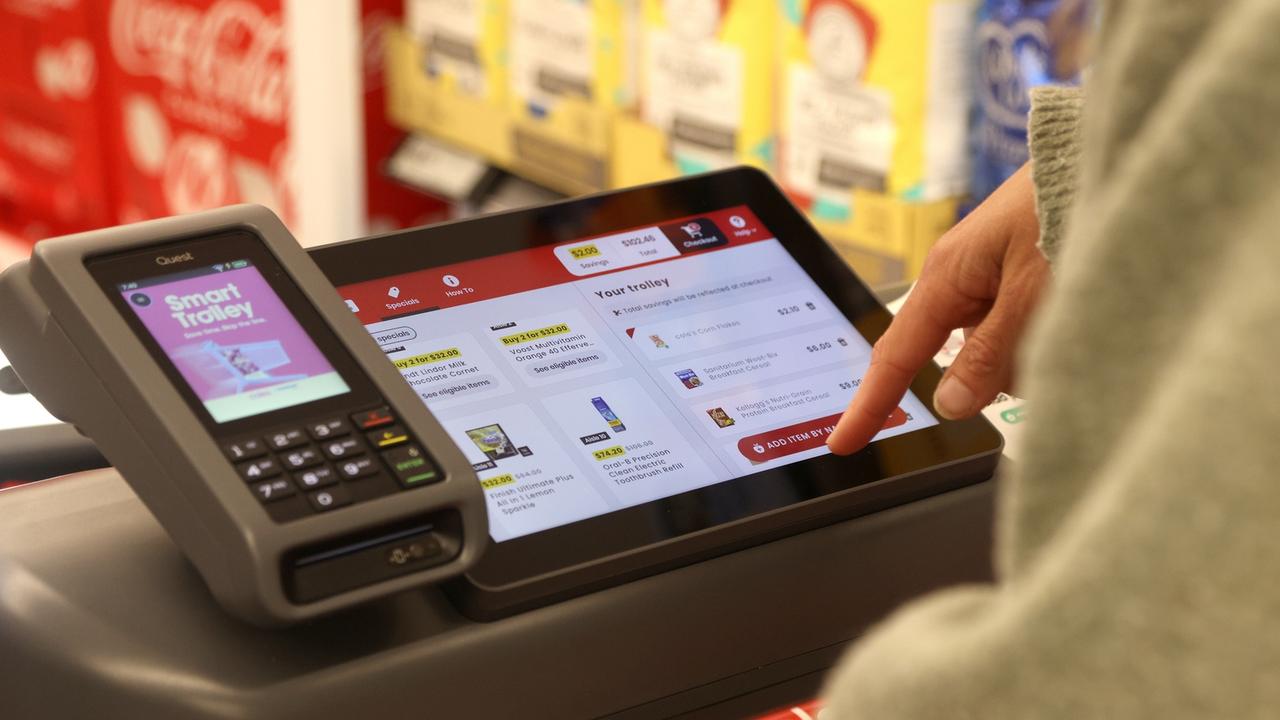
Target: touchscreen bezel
{"x": 110, "y": 271}
{"x": 664, "y": 520}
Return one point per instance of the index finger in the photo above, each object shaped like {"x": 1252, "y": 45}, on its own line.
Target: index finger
{"x": 911, "y": 340}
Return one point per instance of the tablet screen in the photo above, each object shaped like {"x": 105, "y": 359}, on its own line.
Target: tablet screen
{"x": 611, "y": 371}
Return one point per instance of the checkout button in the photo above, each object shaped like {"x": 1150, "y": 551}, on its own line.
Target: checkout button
{"x": 802, "y": 436}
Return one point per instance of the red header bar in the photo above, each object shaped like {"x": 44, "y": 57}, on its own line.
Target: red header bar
{"x": 524, "y": 270}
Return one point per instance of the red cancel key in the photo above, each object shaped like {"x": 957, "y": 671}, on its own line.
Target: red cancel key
{"x": 807, "y": 435}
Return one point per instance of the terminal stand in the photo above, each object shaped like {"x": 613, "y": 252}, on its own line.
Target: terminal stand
{"x": 101, "y": 616}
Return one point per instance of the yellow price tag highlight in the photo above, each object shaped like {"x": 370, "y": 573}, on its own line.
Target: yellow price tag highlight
{"x": 584, "y": 251}
{"x": 430, "y": 358}
{"x": 531, "y": 335}
{"x": 497, "y": 481}
{"x": 609, "y": 452}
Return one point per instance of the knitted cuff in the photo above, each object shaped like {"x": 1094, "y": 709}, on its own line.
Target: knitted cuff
{"x": 1053, "y": 135}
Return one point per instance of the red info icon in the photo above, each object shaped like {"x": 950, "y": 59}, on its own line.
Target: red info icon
{"x": 807, "y": 435}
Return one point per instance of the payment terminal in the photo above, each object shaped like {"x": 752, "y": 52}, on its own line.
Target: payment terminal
{"x": 632, "y": 388}
{"x": 221, "y": 374}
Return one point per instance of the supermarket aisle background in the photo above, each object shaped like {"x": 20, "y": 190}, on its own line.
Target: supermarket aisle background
{"x": 883, "y": 119}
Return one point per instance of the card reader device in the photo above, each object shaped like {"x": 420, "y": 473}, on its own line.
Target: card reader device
{"x": 222, "y": 375}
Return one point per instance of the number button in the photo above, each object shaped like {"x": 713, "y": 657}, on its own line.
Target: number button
{"x": 387, "y": 437}
{"x": 271, "y": 490}
{"x": 329, "y": 499}
{"x": 370, "y": 419}
{"x": 244, "y": 449}
{"x": 410, "y": 465}
{"x": 285, "y": 439}
{"x": 357, "y": 467}
{"x": 258, "y": 469}
{"x": 315, "y": 477}
{"x": 301, "y": 458}
{"x": 332, "y": 427}
{"x": 345, "y": 447}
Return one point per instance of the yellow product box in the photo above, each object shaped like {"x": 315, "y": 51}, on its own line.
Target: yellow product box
{"x": 889, "y": 237}
{"x": 874, "y": 102}
{"x": 463, "y": 44}
{"x": 571, "y": 67}
{"x": 447, "y": 72}
{"x": 706, "y": 89}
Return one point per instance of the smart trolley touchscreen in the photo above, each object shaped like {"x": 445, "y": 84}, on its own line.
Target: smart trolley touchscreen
{"x": 612, "y": 371}
{"x": 231, "y": 338}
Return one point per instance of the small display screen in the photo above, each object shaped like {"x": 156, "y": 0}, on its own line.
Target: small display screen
{"x": 232, "y": 339}
{"x": 608, "y": 372}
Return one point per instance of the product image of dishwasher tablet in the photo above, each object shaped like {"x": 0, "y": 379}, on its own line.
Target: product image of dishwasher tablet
{"x": 703, "y": 316}
{"x": 219, "y": 372}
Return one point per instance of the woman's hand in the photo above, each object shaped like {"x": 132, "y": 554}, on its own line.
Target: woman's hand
{"x": 985, "y": 275}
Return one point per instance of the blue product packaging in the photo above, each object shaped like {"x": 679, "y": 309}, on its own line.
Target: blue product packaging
{"x": 1020, "y": 44}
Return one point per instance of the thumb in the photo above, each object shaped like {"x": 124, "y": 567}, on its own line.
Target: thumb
{"x": 984, "y": 367}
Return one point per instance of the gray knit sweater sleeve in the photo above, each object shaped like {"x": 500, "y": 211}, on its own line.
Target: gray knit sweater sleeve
{"x": 1136, "y": 541}
{"x": 1053, "y": 134}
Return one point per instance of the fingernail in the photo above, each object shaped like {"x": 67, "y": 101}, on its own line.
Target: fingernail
{"x": 953, "y": 399}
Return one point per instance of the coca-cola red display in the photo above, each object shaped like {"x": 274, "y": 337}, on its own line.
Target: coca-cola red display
{"x": 52, "y": 163}
{"x": 113, "y": 111}
{"x": 200, "y": 104}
